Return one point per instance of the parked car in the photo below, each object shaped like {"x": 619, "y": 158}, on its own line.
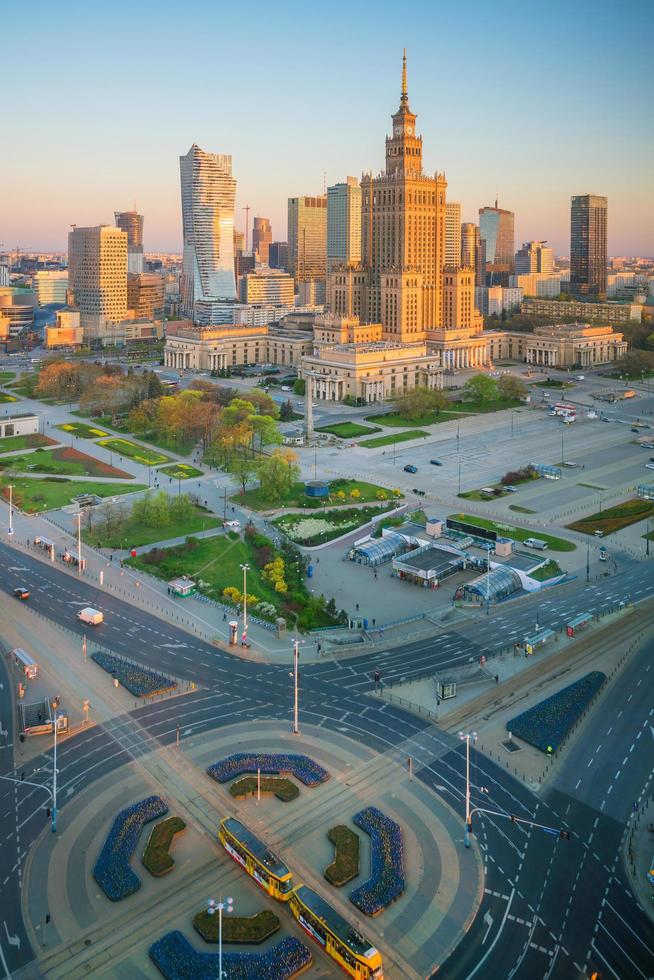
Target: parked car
{"x": 234, "y": 524}
{"x": 22, "y": 594}
{"x": 649, "y": 466}
{"x": 511, "y": 489}
{"x": 647, "y": 445}
{"x": 581, "y": 377}
{"x": 634, "y": 428}
{"x": 410, "y": 469}
{"x": 436, "y": 462}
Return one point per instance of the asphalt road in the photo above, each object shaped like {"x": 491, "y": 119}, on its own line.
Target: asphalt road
{"x": 552, "y": 907}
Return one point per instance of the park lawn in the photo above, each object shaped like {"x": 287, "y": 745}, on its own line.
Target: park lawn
{"x": 180, "y": 471}
{"x": 140, "y": 454}
{"x": 296, "y": 497}
{"x": 170, "y": 445}
{"x": 480, "y": 408}
{"x": 54, "y": 492}
{"x": 518, "y": 533}
{"x": 552, "y": 384}
{"x": 348, "y": 430}
{"x": 550, "y": 570}
{"x": 401, "y": 421}
{"x": 64, "y": 461}
{"x": 391, "y": 439}
{"x": 615, "y": 518}
{"x": 6, "y": 376}
{"x": 82, "y": 430}
{"x": 5, "y": 397}
{"x": 133, "y": 534}
{"x": 32, "y": 441}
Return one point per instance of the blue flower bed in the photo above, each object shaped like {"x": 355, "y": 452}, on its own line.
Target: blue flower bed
{"x": 176, "y": 959}
{"x": 549, "y": 721}
{"x": 386, "y": 882}
{"x": 112, "y": 870}
{"x": 300, "y": 766}
{"x": 139, "y": 681}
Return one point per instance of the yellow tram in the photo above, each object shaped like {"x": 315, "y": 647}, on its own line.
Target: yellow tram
{"x": 256, "y": 858}
{"x": 355, "y": 954}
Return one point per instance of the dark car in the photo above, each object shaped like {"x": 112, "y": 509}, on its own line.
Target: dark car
{"x": 634, "y": 429}
{"x": 435, "y": 462}
{"x": 410, "y": 469}
{"x": 22, "y": 593}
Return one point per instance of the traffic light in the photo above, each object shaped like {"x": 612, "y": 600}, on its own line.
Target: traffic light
{"x": 564, "y": 834}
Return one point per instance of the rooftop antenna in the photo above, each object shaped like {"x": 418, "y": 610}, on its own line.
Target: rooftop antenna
{"x": 247, "y": 226}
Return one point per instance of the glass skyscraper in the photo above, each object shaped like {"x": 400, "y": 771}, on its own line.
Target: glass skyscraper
{"x": 496, "y": 230}
{"x": 588, "y": 235}
{"x": 208, "y": 196}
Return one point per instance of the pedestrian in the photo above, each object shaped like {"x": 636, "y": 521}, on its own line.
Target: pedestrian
{"x": 373, "y": 620}
{"x": 224, "y": 617}
{"x": 357, "y": 606}
{"x": 111, "y": 556}
{"x": 317, "y": 561}
{"x": 375, "y": 573}
{"x": 40, "y": 717}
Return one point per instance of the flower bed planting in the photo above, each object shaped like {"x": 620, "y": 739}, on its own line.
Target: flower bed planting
{"x": 549, "y": 721}
{"x": 176, "y": 959}
{"x": 331, "y": 524}
{"x": 139, "y": 681}
{"x": 112, "y": 870}
{"x": 386, "y": 882}
{"x": 345, "y": 865}
{"x": 283, "y": 789}
{"x": 237, "y": 928}
{"x": 247, "y": 763}
{"x": 156, "y": 857}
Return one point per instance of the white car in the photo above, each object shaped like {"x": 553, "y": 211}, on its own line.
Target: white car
{"x": 581, "y": 377}
{"x": 234, "y": 524}
{"x": 649, "y": 466}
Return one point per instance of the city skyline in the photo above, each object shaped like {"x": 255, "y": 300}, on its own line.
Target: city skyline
{"x": 526, "y": 134}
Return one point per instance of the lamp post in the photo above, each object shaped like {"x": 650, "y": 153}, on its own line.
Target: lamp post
{"x": 647, "y": 539}
{"x": 458, "y": 435}
{"x": 467, "y": 737}
{"x": 245, "y": 600}
{"x": 10, "y": 529}
{"x": 459, "y": 475}
{"x": 54, "y": 773}
{"x": 488, "y": 551}
{"x": 587, "y": 559}
{"x": 600, "y": 502}
{"x": 296, "y": 680}
{"x": 512, "y": 418}
{"x": 226, "y": 906}
{"x": 79, "y": 542}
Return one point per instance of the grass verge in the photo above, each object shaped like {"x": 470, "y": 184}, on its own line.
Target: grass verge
{"x": 309, "y": 531}
{"x": 64, "y": 461}
{"x": 615, "y": 518}
{"x": 549, "y": 570}
{"x": 181, "y": 471}
{"x": 5, "y": 398}
{"x": 237, "y": 928}
{"x": 348, "y": 430}
{"x": 140, "y": 454}
{"x": 389, "y": 440}
{"x": 32, "y": 441}
{"x": 345, "y": 865}
{"x": 131, "y": 534}
{"x": 522, "y": 510}
{"x": 156, "y": 857}
{"x": 283, "y": 789}
{"x": 401, "y": 421}
{"x": 340, "y": 492}
{"x": 53, "y": 492}
{"x": 518, "y": 533}
{"x": 82, "y": 430}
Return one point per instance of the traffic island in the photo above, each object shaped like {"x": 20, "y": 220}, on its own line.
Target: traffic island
{"x": 176, "y": 959}
{"x": 112, "y": 870}
{"x": 156, "y": 857}
{"x": 237, "y": 928}
{"x": 345, "y": 865}
{"x": 283, "y": 789}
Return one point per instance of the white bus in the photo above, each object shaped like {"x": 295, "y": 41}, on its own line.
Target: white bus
{"x": 26, "y": 664}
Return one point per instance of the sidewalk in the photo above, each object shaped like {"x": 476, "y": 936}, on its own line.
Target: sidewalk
{"x": 639, "y": 851}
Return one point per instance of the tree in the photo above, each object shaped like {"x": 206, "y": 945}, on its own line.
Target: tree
{"x": 265, "y": 431}
{"x": 181, "y": 508}
{"x": 277, "y": 474}
{"x": 479, "y": 388}
{"x": 263, "y": 403}
{"x": 286, "y": 413}
{"x": 244, "y": 469}
{"x": 300, "y": 386}
{"x": 418, "y": 403}
{"x": 511, "y": 387}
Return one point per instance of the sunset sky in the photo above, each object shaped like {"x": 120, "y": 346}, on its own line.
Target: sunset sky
{"x": 531, "y": 103}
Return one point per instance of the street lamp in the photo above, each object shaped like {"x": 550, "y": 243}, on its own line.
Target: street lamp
{"x": 226, "y": 906}
{"x": 296, "y": 684}
{"x": 467, "y": 737}
{"x": 10, "y": 529}
{"x": 587, "y": 559}
{"x": 54, "y": 769}
{"x": 459, "y": 474}
{"x": 79, "y": 542}
{"x": 245, "y": 568}
{"x": 647, "y": 539}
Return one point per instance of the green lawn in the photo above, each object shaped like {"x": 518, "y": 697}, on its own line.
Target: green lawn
{"x": 64, "y": 461}
{"x": 54, "y": 492}
{"x": 5, "y": 397}
{"x": 82, "y": 430}
{"x": 180, "y": 471}
{"x": 518, "y": 533}
{"x": 140, "y": 454}
{"x": 32, "y": 441}
{"x": 401, "y": 421}
{"x": 396, "y": 437}
{"x": 521, "y": 510}
{"x": 6, "y": 376}
{"x": 313, "y": 529}
{"x": 132, "y": 534}
{"x": 340, "y": 492}
{"x": 550, "y": 570}
{"x": 552, "y": 384}
{"x": 615, "y": 518}
{"x": 348, "y": 430}
{"x": 480, "y": 408}
{"x": 478, "y": 495}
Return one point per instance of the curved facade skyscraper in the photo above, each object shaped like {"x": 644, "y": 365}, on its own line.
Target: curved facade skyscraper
{"x": 208, "y": 196}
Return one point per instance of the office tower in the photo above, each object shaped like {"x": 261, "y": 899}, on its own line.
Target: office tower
{"x": 496, "y": 230}
{"x": 278, "y": 255}
{"x": 473, "y": 251}
{"x": 132, "y": 223}
{"x": 588, "y": 234}
{"x": 145, "y": 295}
{"x": 50, "y": 286}
{"x": 403, "y": 235}
{"x": 267, "y": 286}
{"x": 307, "y": 237}
{"x": 459, "y": 311}
{"x": 344, "y": 223}
{"x": 239, "y": 241}
{"x": 208, "y": 195}
{"x": 452, "y": 233}
{"x": 534, "y": 257}
{"x": 97, "y": 276}
{"x": 4, "y": 274}
{"x": 261, "y": 239}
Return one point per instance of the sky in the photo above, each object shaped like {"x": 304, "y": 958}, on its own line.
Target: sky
{"x": 530, "y": 103}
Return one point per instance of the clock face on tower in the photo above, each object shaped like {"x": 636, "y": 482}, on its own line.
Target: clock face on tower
{"x": 409, "y": 129}
{"x": 397, "y": 131}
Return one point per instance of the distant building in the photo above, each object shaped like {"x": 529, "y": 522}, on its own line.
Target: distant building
{"x": 344, "y": 223}
{"x": 131, "y": 222}
{"x": 453, "y": 234}
{"x": 4, "y": 274}
{"x": 588, "y": 238}
{"x": 537, "y": 284}
{"x": 307, "y": 237}
{"x": 583, "y": 312}
{"x": 208, "y": 195}
{"x": 50, "y": 286}
{"x": 145, "y": 296}
{"x": 267, "y": 286}
{"x": 495, "y": 300}
{"x": 564, "y": 345}
{"x": 239, "y": 242}
{"x": 278, "y": 256}
{"x": 17, "y": 309}
{"x": 312, "y": 292}
{"x": 496, "y": 228}
{"x": 534, "y": 257}
{"x": 97, "y": 276}
{"x": 473, "y": 252}
{"x": 67, "y": 332}
{"x": 261, "y": 239}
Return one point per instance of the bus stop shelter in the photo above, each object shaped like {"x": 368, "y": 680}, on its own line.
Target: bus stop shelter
{"x": 538, "y": 639}
{"x": 578, "y": 623}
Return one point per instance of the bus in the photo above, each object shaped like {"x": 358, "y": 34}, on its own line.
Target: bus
{"x": 256, "y": 858}
{"x": 26, "y": 664}
{"x": 562, "y": 408}
{"x": 355, "y": 954}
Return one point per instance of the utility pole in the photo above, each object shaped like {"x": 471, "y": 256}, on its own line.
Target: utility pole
{"x": 467, "y": 737}
{"x": 587, "y": 560}
{"x": 10, "y": 530}
{"x": 79, "y": 542}
{"x": 247, "y": 225}
{"x": 296, "y": 677}
{"x": 245, "y": 603}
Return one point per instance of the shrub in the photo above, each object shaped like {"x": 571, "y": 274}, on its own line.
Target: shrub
{"x": 345, "y": 865}
{"x": 237, "y": 928}
{"x": 283, "y": 789}
{"x": 386, "y": 882}
{"x": 139, "y": 681}
{"x": 176, "y": 959}
{"x": 242, "y": 763}
{"x": 112, "y": 871}
{"x": 549, "y": 721}
{"x": 156, "y": 857}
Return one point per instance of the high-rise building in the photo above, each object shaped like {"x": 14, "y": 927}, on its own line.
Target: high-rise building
{"x": 534, "y": 257}
{"x": 145, "y": 295}
{"x": 344, "y": 223}
{"x": 496, "y": 230}
{"x": 307, "y": 237}
{"x": 459, "y": 310}
{"x": 208, "y": 195}
{"x": 97, "y": 276}
{"x": 132, "y": 223}
{"x": 473, "y": 251}
{"x": 261, "y": 239}
{"x": 50, "y": 286}
{"x": 588, "y": 241}
{"x": 267, "y": 286}
{"x": 452, "y": 233}
{"x": 278, "y": 255}
{"x": 239, "y": 241}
